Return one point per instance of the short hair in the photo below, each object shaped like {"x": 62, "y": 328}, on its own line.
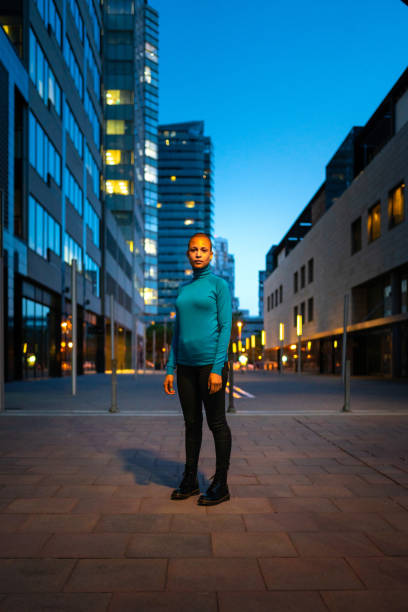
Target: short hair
{"x": 201, "y": 234}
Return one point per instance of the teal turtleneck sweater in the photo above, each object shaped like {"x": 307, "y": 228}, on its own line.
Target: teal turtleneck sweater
{"x": 203, "y": 322}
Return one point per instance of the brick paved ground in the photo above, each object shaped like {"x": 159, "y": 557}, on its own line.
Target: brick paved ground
{"x": 318, "y": 518}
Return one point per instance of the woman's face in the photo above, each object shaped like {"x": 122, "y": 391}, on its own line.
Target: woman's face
{"x": 199, "y": 252}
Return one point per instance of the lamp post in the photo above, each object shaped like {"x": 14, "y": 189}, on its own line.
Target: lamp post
{"x": 281, "y": 339}
{"x": 231, "y": 407}
{"x": 263, "y": 344}
{"x": 114, "y": 399}
{"x": 253, "y": 344}
{"x": 74, "y": 326}
{"x": 299, "y": 335}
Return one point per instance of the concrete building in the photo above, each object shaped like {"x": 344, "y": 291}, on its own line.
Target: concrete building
{"x": 185, "y": 203}
{"x": 351, "y": 238}
{"x": 261, "y": 280}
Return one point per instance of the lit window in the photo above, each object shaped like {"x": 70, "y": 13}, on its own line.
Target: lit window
{"x": 159, "y": 205}
{"x": 188, "y": 221}
{"x": 173, "y": 178}
{"x": 147, "y": 74}
{"x": 151, "y": 149}
{"x": 150, "y": 174}
{"x": 118, "y": 187}
{"x": 115, "y": 126}
{"x": 374, "y": 222}
{"x": 118, "y": 96}
{"x": 190, "y": 204}
{"x": 396, "y": 206}
{"x": 130, "y": 245}
{"x": 167, "y": 142}
{"x": 150, "y": 246}
{"x": 151, "y": 52}
{"x": 113, "y": 157}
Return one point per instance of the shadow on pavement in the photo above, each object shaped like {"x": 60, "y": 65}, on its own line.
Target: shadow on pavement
{"x": 147, "y": 466}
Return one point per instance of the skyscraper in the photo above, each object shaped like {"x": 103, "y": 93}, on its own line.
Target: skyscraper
{"x": 185, "y": 202}
{"x": 224, "y": 266}
{"x": 131, "y": 112}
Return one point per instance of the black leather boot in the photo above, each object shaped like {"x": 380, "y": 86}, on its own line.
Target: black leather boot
{"x": 188, "y": 486}
{"x": 217, "y": 492}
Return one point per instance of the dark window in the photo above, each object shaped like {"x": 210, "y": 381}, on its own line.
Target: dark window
{"x": 356, "y": 236}
{"x": 310, "y": 270}
{"x": 396, "y": 206}
{"x": 374, "y": 222}
{"x": 280, "y": 294}
{"x": 268, "y": 303}
{"x": 271, "y": 301}
{"x": 302, "y": 311}
{"x": 295, "y": 314}
{"x": 295, "y": 282}
{"x": 302, "y": 276}
{"x": 310, "y": 309}
{"x": 276, "y": 297}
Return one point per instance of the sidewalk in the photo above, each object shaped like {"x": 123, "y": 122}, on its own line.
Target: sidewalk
{"x": 318, "y": 518}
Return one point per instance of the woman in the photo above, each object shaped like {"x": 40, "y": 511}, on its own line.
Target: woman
{"x": 199, "y": 353}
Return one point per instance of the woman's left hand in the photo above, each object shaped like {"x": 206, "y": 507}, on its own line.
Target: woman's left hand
{"x": 214, "y": 382}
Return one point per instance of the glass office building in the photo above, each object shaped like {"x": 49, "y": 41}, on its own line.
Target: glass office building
{"x": 185, "y": 203}
{"x": 131, "y": 152}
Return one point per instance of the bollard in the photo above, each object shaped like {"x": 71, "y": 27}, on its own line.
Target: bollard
{"x": 231, "y": 407}
{"x": 346, "y": 406}
{"x": 114, "y": 403}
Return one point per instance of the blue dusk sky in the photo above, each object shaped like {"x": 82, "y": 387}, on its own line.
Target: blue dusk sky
{"x": 279, "y": 85}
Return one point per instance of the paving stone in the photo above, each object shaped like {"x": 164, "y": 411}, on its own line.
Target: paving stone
{"x": 164, "y": 602}
{"x": 169, "y": 545}
{"x": 86, "y": 491}
{"x": 20, "y": 490}
{"x": 284, "y": 479}
{"x": 303, "y": 504}
{"x": 214, "y": 575}
{"x": 398, "y": 520}
{"x": 41, "y": 504}
{"x": 67, "y": 479}
{"x": 391, "y": 543}
{"x": 382, "y": 572}
{"x": 11, "y": 522}
{"x": 334, "y": 544}
{"x": 150, "y": 490}
{"x": 15, "y": 545}
{"x": 134, "y": 523}
{"x": 366, "y": 601}
{"x": 308, "y": 574}
{"x": 168, "y": 506}
{"x": 59, "y": 523}
{"x": 61, "y": 602}
{"x": 252, "y": 545}
{"x": 9, "y": 478}
{"x": 241, "y": 505}
{"x": 111, "y": 575}
{"x": 321, "y": 491}
{"x": 106, "y": 506}
{"x": 33, "y": 575}
{"x": 86, "y": 545}
{"x": 185, "y": 523}
{"x": 366, "y": 504}
{"x": 271, "y": 601}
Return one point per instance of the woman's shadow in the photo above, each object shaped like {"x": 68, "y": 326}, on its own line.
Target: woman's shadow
{"x": 147, "y": 466}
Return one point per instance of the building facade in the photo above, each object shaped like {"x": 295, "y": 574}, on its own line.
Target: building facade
{"x": 224, "y": 265}
{"x": 54, "y": 208}
{"x": 351, "y": 239}
{"x": 185, "y": 203}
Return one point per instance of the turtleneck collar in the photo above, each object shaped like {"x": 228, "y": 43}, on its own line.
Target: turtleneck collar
{"x": 200, "y": 272}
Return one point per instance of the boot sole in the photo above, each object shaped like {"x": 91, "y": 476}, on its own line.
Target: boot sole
{"x": 207, "y": 502}
{"x": 178, "y": 496}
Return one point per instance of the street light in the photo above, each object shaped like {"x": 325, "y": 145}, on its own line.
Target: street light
{"x": 281, "y": 339}
{"x": 239, "y": 325}
{"x": 299, "y": 335}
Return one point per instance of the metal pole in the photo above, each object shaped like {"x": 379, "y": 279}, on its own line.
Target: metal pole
{"x": 346, "y": 406}
{"x": 154, "y": 349}
{"x": 344, "y": 348}
{"x": 2, "y": 356}
{"x": 299, "y": 363}
{"x": 280, "y": 360}
{"x": 114, "y": 404}
{"x": 74, "y": 326}
{"x": 144, "y": 350}
{"x": 231, "y": 407}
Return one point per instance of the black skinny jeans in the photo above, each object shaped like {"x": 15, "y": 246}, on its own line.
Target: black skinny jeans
{"x": 192, "y": 386}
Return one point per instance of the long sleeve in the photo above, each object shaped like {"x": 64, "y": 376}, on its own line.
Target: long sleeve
{"x": 224, "y": 315}
{"x": 172, "y": 360}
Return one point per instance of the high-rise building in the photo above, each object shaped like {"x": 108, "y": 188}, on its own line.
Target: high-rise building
{"x": 51, "y": 169}
{"x": 224, "y": 265}
{"x": 261, "y": 280}
{"x": 131, "y": 151}
{"x": 185, "y": 202}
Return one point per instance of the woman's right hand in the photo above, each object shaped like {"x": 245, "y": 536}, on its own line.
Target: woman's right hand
{"x": 168, "y": 384}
